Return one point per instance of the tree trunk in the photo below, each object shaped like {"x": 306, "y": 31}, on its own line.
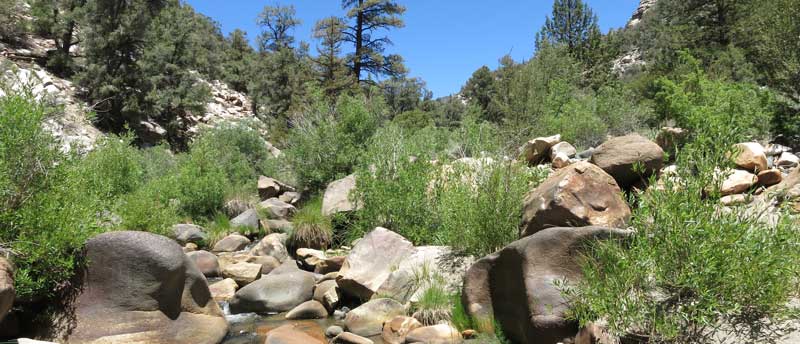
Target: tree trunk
{"x": 359, "y": 42}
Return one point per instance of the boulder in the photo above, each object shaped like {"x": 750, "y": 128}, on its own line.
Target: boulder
{"x": 206, "y": 262}
{"x": 141, "y": 288}
{"x": 579, "y": 195}
{"x": 231, "y": 243}
{"x": 367, "y": 320}
{"x": 288, "y": 334}
{"x": 290, "y": 197}
{"x": 283, "y": 226}
{"x": 223, "y": 290}
{"x": 337, "y": 196}
{"x": 332, "y": 264}
{"x": 738, "y": 181}
{"x": 279, "y": 292}
{"x": 437, "y": 334}
{"x": 536, "y": 151}
{"x": 277, "y": 209}
{"x": 564, "y": 148}
{"x": 273, "y": 245}
{"x": 750, "y": 156}
{"x": 734, "y": 200}
{"x": 7, "y": 293}
{"x": 190, "y": 247}
{"x": 247, "y": 219}
{"x": 670, "y": 139}
{"x": 770, "y": 177}
{"x": 327, "y": 293}
{"x": 268, "y": 263}
{"x": 619, "y": 156}
{"x": 425, "y": 267}
{"x": 268, "y": 188}
{"x": 333, "y": 331}
{"x": 561, "y": 160}
{"x": 188, "y": 233}
{"x": 787, "y": 160}
{"x": 396, "y": 330}
{"x": 350, "y": 338}
{"x": 371, "y": 262}
{"x": 243, "y": 273}
{"x": 516, "y": 287}
{"x": 308, "y": 310}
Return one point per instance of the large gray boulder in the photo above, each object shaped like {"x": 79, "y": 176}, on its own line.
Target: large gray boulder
{"x": 206, "y": 262}
{"x": 516, "y": 286}
{"x": 141, "y": 288}
{"x": 231, "y": 243}
{"x": 276, "y": 292}
{"x": 188, "y": 233}
{"x": 247, "y": 219}
{"x": 273, "y": 245}
{"x": 437, "y": 265}
{"x": 371, "y": 261}
{"x": 367, "y": 320}
{"x": 337, "y": 196}
{"x": 579, "y": 195}
{"x": 619, "y": 157}
{"x": 7, "y": 293}
{"x": 277, "y": 209}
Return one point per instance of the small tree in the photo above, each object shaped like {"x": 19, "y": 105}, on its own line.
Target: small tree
{"x": 572, "y": 23}
{"x": 276, "y": 22}
{"x": 333, "y": 73}
{"x": 369, "y": 17}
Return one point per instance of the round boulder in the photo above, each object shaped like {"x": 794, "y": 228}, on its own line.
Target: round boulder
{"x": 367, "y": 320}
{"x": 206, "y": 262}
{"x": 620, "y": 156}
{"x": 308, "y": 310}
{"x": 279, "y": 292}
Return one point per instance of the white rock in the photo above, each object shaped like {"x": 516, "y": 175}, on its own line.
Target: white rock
{"x": 787, "y": 160}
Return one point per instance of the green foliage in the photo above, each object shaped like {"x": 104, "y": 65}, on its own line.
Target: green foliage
{"x": 367, "y": 19}
{"x": 237, "y": 61}
{"x": 12, "y": 24}
{"x": 413, "y": 120}
{"x": 573, "y": 24}
{"x": 334, "y": 76}
{"x": 276, "y": 22}
{"x": 312, "y": 229}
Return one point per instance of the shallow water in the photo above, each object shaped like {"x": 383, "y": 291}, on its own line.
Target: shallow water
{"x": 251, "y": 328}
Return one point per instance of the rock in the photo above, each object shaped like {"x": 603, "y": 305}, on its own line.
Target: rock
{"x": 268, "y": 263}
{"x": 536, "y": 151}
{"x": 770, "y": 177}
{"x": 579, "y": 195}
{"x": 273, "y": 245}
{"x": 31, "y": 341}
{"x": 371, "y": 262}
{"x": 223, "y": 290}
{"x": 619, "y": 156}
{"x": 190, "y": 247}
{"x": 594, "y": 334}
{"x": 332, "y": 264}
{"x": 437, "y": 334}
{"x": 734, "y": 200}
{"x": 277, "y": 226}
{"x": 231, "y": 243}
{"x": 268, "y": 188}
{"x": 141, "y": 288}
{"x": 310, "y": 258}
{"x": 187, "y": 233}
{"x": 644, "y": 7}
{"x": 367, "y": 320}
{"x": 7, "y": 293}
{"x": 333, "y": 331}
{"x": 242, "y": 273}
{"x": 561, "y": 160}
{"x": 290, "y": 197}
{"x": 339, "y": 314}
{"x": 585, "y": 155}
{"x": 516, "y": 286}
{"x": 396, "y": 330}
{"x": 287, "y": 334}
{"x": 308, "y": 310}
{"x": 750, "y": 156}
{"x": 337, "y": 196}
{"x": 787, "y": 160}
{"x": 327, "y": 293}
{"x": 738, "y": 182}
{"x": 350, "y": 338}
{"x": 279, "y": 292}
{"x": 469, "y": 334}
{"x": 206, "y": 262}
{"x": 425, "y": 267}
{"x": 670, "y": 139}
{"x": 247, "y": 219}
{"x": 277, "y": 209}
{"x": 563, "y": 148}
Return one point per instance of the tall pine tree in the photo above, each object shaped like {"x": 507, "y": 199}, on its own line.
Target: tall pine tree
{"x": 333, "y": 72}
{"x": 572, "y": 23}
{"x": 367, "y": 18}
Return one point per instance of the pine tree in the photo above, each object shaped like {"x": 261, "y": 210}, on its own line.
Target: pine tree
{"x": 572, "y": 23}
{"x": 239, "y": 56}
{"x": 480, "y": 89}
{"x": 276, "y": 22}
{"x": 333, "y": 73}
{"x": 59, "y": 19}
{"x": 368, "y": 17}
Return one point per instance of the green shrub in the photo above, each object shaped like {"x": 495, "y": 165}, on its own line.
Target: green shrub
{"x": 238, "y": 149}
{"x": 312, "y": 229}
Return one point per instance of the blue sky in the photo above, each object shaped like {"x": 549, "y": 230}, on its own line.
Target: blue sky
{"x": 444, "y": 41}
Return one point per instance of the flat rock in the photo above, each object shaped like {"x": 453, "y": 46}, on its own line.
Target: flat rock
{"x": 188, "y": 233}
{"x": 223, "y": 290}
{"x": 750, "y": 156}
{"x": 277, "y": 209}
{"x": 367, "y": 320}
{"x": 437, "y": 334}
{"x": 288, "y": 334}
{"x": 243, "y": 273}
{"x": 738, "y": 181}
{"x": 231, "y": 243}
{"x": 350, "y": 338}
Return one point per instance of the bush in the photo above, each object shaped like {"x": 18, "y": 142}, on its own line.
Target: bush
{"x": 12, "y": 25}
{"x": 311, "y": 228}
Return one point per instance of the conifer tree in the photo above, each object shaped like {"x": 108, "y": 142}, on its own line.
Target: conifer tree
{"x": 333, "y": 72}
{"x": 276, "y": 22}
{"x": 367, "y": 18}
{"x": 572, "y": 23}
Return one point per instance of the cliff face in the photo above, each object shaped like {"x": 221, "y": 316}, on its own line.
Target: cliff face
{"x": 644, "y": 6}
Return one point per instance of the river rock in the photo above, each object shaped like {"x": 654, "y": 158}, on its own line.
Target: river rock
{"x": 268, "y": 263}
{"x": 536, "y": 151}
{"x": 277, "y": 209}
{"x": 579, "y": 195}
{"x": 337, "y": 196}
{"x": 242, "y": 273}
{"x": 333, "y": 331}
{"x": 561, "y": 160}
{"x": 141, "y": 288}
{"x": 274, "y": 293}
{"x": 273, "y": 245}
{"x": 750, "y": 156}
{"x": 371, "y": 262}
{"x": 618, "y": 157}
{"x": 268, "y": 188}
{"x": 282, "y": 226}
{"x": 770, "y": 177}
{"x": 206, "y": 262}
{"x": 516, "y": 286}
{"x": 288, "y": 334}
{"x": 188, "y": 233}
{"x": 787, "y": 160}
{"x": 367, "y": 320}
{"x": 231, "y": 243}
{"x": 437, "y": 334}
{"x": 327, "y": 293}
{"x": 7, "y": 293}
{"x": 396, "y": 330}
{"x": 438, "y": 264}
{"x": 350, "y": 338}
{"x": 247, "y": 219}
{"x": 308, "y": 310}
{"x": 290, "y": 197}
{"x": 738, "y": 181}
{"x": 332, "y": 264}
{"x": 223, "y": 290}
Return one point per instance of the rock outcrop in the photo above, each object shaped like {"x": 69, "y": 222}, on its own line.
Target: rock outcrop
{"x": 644, "y": 7}
{"x": 516, "y": 286}
{"x": 337, "y": 196}
{"x": 371, "y": 261}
